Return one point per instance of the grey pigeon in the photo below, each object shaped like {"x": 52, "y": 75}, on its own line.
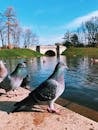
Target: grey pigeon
{"x": 47, "y": 91}
{"x": 13, "y": 81}
{"x": 3, "y": 71}
{"x": 26, "y": 82}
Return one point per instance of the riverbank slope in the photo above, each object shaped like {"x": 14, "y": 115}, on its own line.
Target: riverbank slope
{"x": 18, "y": 53}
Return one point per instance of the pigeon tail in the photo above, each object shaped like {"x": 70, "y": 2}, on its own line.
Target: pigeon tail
{"x": 15, "y": 110}
{"x": 27, "y": 102}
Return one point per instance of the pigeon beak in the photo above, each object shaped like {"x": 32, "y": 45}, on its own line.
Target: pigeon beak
{"x": 24, "y": 64}
{"x": 66, "y": 67}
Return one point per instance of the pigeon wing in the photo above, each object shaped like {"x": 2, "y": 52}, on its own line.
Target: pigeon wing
{"x": 46, "y": 91}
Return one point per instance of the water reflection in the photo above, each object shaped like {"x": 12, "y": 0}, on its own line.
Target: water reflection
{"x": 41, "y": 68}
{"x": 82, "y": 82}
{"x": 81, "y": 79}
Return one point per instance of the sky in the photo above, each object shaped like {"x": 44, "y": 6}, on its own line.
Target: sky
{"x": 50, "y": 19}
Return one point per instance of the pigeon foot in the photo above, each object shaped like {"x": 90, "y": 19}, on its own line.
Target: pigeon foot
{"x": 53, "y": 111}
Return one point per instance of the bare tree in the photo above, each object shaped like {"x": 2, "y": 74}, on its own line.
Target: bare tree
{"x": 2, "y": 37}
{"x": 74, "y": 39}
{"x": 90, "y": 28}
{"x": 96, "y": 37}
{"x": 12, "y": 33}
{"x": 27, "y": 37}
{"x": 35, "y": 39}
{"x": 2, "y": 32}
{"x": 67, "y": 41}
{"x": 82, "y": 34}
{"x": 10, "y": 21}
{"x": 30, "y": 38}
{"x": 67, "y": 36}
{"x": 91, "y": 31}
{"x": 16, "y": 35}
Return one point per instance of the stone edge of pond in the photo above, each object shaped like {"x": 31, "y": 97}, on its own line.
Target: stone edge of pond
{"x": 42, "y": 120}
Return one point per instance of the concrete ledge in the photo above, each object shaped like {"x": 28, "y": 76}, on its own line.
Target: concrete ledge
{"x": 40, "y": 120}
{"x": 82, "y": 110}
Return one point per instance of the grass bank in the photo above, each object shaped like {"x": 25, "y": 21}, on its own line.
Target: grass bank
{"x": 24, "y": 53}
{"x": 81, "y": 52}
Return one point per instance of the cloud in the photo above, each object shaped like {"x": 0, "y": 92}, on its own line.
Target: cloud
{"x": 51, "y": 35}
{"x": 78, "y": 21}
{"x": 74, "y": 24}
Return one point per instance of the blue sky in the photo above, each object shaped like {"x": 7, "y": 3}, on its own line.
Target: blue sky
{"x": 50, "y": 19}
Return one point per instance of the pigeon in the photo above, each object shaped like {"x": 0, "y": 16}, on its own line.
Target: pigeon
{"x": 48, "y": 91}
{"x": 3, "y": 71}
{"x": 13, "y": 81}
{"x": 26, "y": 82}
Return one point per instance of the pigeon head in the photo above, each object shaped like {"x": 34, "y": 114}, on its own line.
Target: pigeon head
{"x": 20, "y": 70}
{"x": 21, "y": 65}
{"x": 60, "y": 66}
{"x": 59, "y": 71}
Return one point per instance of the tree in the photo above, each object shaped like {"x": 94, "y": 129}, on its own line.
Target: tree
{"x": 67, "y": 36}
{"x": 30, "y": 38}
{"x": 90, "y": 28}
{"x": 27, "y": 37}
{"x": 74, "y": 39}
{"x": 10, "y": 22}
{"x": 67, "y": 41}
{"x": 96, "y": 38}
{"x": 35, "y": 39}
{"x": 2, "y": 31}
{"x": 82, "y": 34}
{"x": 17, "y": 32}
{"x": 11, "y": 33}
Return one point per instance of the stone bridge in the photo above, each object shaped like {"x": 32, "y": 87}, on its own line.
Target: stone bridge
{"x": 50, "y": 50}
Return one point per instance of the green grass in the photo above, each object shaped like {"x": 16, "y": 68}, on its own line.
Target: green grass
{"x": 81, "y": 52}
{"x": 25, "y": 53}
{"x": 19, "y": 53}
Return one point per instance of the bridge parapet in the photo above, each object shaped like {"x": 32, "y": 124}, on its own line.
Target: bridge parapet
{"x": 56, "y": 49}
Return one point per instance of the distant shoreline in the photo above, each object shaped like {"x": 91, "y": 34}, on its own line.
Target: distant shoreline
{"x": 82, "y": 51}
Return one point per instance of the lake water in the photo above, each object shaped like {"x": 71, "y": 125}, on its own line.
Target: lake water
{"x": 81, "y": 78}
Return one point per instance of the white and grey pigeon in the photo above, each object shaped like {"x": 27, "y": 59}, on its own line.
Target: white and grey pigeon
{"x": 13, "y": 81}
{"x": 47, "y": 91}
{"x": 3, "y": 71}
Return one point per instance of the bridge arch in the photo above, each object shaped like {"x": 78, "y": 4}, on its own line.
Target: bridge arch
{"x": 50, "y": 53}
